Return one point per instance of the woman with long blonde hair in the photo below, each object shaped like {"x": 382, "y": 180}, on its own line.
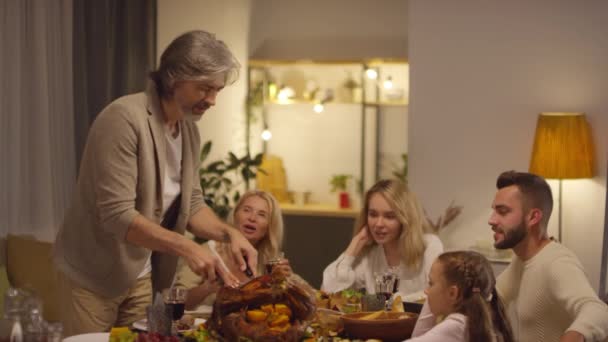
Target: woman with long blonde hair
{"x": 258, "y": 217}
{"x": 389, "y": 237}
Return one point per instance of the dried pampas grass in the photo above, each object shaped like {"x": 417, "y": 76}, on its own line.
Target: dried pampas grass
{"x": 449, "y": 215}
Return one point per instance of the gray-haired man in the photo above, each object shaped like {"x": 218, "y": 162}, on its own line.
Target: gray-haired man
{"x": 140, "y": 169}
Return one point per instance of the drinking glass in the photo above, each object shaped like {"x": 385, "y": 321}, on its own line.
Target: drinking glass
{"x": 270, "y": 264}
{"x": 175, "y": 298}
{"x": 385, "y": 285}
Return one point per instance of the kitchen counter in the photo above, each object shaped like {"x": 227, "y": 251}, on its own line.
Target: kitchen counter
{"x": 318, "y": 209}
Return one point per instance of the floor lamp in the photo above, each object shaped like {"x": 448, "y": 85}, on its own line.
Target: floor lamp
{"x": 563, "y": 149}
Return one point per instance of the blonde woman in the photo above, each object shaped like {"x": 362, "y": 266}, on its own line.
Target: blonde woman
{"x": 389, "y": 236}
{"x": 258, "y": 217}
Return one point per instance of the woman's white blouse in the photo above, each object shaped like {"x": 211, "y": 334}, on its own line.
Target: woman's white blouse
{"x": 358, "y": 272}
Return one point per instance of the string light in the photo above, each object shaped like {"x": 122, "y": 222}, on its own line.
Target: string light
{"x": 318, "y": 108}
{"x": 371, "y": 74}
{"x": 266, "y": 135}
{"x": 388, "y": 83}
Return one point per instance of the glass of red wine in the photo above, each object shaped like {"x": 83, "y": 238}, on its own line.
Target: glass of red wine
{"x": 270, "y": 264}
{"x": 385, "y": 285}
{"x": 175, "y": 298}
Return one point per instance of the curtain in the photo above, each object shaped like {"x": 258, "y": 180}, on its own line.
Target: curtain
{"x": 61, "y": 62}
{"x": 114, "y": 50}
{"x": 36, "y": 111}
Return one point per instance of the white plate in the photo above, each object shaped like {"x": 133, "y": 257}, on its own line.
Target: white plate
{"x": 92, "y": 337}
{"x": 142, "y": 324}
{"x": 414, "y": 297}
{"x": 201, "y": 310}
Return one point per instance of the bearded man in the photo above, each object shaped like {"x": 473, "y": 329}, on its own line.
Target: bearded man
{"x": 138, "y": 191}
{"x": 546, "y": 292}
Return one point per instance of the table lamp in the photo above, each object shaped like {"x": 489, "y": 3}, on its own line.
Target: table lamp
{"x": 563, "y": 149}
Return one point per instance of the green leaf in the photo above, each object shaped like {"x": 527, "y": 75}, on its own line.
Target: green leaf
{"x": 339, "y": 182}
{"x": 215, "y": 166}
{"x": 205, "y": 150}
{"x": 258, "y": 159}
{"x": 247, "y": 173}
{"x": 246, "y": 158}
{"x": 233, "y": 159}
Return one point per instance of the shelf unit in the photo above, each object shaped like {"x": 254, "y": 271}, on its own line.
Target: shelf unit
{"x": 299, "y": 74}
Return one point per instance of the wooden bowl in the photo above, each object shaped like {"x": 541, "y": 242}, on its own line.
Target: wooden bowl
{"x": 390, "y": 326}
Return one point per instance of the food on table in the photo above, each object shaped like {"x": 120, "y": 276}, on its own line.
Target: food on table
{"x": 373, "y": 315}
{"x": 129, "y": 336}
{"x": 185, "y": 323}
{"x": 346, "y": 301}
{"x": 122, "y": 334}
{"x": 155, "y": 337}
{"x": 267, "y": 308}
{"x": 385, "y": 315}
{"x": 199, "y": 334}
{"x": 397, "y": 305}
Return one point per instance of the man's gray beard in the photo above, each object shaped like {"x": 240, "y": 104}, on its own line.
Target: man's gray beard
{"x": 512, "y": 237}
{"x": 192, "y": 117}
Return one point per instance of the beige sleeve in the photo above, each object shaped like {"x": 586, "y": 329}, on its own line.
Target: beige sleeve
{"x": 571, "y": 290}
{"x": 113, "y": 140}
{"x": 196, "y": 199}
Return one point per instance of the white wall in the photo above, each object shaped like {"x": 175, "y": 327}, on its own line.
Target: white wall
{"x": 335, "y": 29}
{"x": 229, "y": 20}
{"x": 481, "y": 71}
{"x": 311, "y": 147}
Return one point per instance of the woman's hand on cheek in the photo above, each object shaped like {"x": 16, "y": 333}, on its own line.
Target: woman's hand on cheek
{"x": 358, "y": 242}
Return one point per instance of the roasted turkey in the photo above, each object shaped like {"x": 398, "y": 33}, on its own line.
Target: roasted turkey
{"x": 267, "y": 308}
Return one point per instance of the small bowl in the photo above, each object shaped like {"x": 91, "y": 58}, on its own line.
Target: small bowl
{"x": 390, "y": 326}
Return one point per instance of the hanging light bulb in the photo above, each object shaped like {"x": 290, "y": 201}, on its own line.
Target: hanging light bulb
{"x": 285, "y": 93}
{"x": 371, "y": 74}
{"x": 388, "y": 83}
{"x": 266, "y": 135}
{"x": 318, "y": 108}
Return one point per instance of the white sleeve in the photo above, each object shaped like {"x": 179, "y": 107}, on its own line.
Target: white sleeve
{"x": 452, "y": 329}
{"x": 434, "y": 248}
{"x": 339, "y": 275}
{"x": 425, "y": 322}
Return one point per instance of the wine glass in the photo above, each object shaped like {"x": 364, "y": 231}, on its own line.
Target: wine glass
{"x": 385, "y": 285}
{"x": 273, "y": 262}
{"x": 175, "y": 298}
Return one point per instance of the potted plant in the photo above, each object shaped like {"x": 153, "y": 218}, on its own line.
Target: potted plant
{"x": 400, "y": 172}
{"x": 221, "y": 179}
{"x": 339, "y": 184}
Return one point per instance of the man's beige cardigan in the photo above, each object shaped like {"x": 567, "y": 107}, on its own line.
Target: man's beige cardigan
{"x": 121, "y": 175}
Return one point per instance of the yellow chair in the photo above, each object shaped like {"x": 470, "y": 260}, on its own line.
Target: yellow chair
{"x": 29, "y": 266}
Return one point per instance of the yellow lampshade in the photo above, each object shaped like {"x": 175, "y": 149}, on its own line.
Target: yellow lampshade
{"x": 563, "y": 146}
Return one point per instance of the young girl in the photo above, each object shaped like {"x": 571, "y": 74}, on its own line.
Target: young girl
{"x": 258, "y": 216}
{"x": 389, "y": 237}
{"x": 461, "y": 290}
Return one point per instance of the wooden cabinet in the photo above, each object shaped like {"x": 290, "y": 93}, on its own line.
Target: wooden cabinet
{"x": 314, "y": 241}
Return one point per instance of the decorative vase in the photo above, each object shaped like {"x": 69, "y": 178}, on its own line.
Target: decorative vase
{"x": 344, "y": 200}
